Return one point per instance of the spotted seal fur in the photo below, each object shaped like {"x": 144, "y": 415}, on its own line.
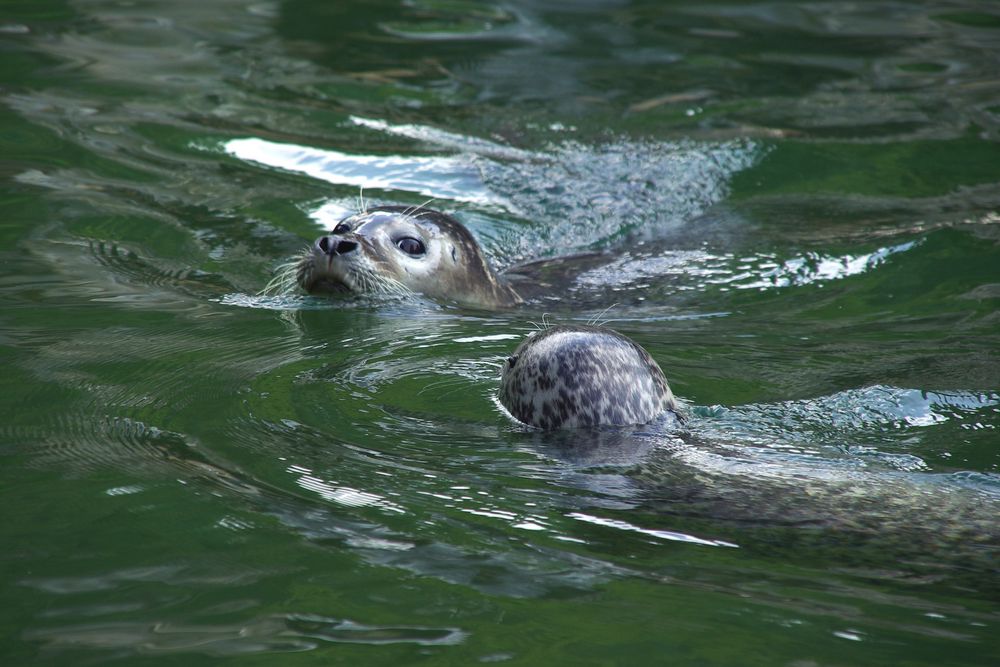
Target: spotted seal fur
{"x": 578, "y": 376}
{"x": 401, "y": 250}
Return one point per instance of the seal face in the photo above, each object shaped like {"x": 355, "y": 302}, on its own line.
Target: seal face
{"x": 576, "y": 376}
{"x": 403, "y": 250}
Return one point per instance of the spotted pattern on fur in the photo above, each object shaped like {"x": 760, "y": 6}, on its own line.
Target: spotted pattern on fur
{"x": 578, "y": 376}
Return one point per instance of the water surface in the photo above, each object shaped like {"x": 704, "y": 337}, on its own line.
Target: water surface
{"x": 795, "y": 207}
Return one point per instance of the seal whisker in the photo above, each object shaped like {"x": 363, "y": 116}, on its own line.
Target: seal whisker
{"x": 598, "y": 320}
{"x": 371, "y": 282}
{"x": 497, "y": 366}
{"x": 458, "y": 381}
{"x": 412, "y": 211}
{"x": 457, "y": 387}
{"x": 361, "y": 200}
{"x": 286, "y": 276}
{"x": 365, "y": 284}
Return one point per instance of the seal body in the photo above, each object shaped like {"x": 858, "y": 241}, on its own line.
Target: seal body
{"x": 577, "y": 376}
{"x": 403, "y": 250}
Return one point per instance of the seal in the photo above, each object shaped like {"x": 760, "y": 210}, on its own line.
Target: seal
{"x": 578, "y": 376}
{"x": 400, "y": 250}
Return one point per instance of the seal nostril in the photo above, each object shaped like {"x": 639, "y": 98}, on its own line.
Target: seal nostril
{"x": 324, "y": 244}
{"x": 344, "y": 247}
{"x": 330, "y": 245}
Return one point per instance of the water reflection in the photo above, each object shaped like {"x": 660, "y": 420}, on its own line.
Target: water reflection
{"x": 151, "y": 397}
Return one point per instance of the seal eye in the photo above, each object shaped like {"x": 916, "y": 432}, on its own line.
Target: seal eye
{"x": 410, "y": 245}
{"x": 511, "y": 361}
{"x": 342, "y": 228}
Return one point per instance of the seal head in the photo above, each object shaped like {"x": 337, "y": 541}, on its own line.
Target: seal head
{"x": 577, "y": 376}
{"x": 403, "y": 250}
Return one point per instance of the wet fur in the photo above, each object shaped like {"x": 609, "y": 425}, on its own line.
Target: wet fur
{"x": 580, "y": 376}
{"x": 469, "y": 280}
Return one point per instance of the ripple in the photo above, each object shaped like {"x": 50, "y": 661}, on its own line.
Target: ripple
{"x": 364, "y": 430}
{"x": 269, "y": 634}
{"x": 450, "y": 140}
{"x": 853, "y": 413}
{"x": 128, "y": 265}
{"x": 125, "y": 578}
{"x": 292, "y": 303}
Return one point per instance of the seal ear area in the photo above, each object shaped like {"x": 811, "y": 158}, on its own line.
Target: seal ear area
{"x": 453, "y": 251}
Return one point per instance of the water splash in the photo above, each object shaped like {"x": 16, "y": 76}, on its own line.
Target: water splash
{"x": 702, "y": 269}
{"x": 816, "y": 267}
{"x": 573, "y": 196}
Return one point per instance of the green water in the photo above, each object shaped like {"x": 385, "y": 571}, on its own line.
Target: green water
{"x": 796, "y": 208}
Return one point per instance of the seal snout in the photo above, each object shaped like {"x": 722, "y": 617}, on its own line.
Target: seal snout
{"x": 332, "y": 245}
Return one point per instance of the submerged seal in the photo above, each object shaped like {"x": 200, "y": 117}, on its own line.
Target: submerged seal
{"x": 402, "y": 250}
{"x": 574, "y": 376}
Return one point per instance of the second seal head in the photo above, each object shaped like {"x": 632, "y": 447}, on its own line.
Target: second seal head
{"x": 579, "y": 376}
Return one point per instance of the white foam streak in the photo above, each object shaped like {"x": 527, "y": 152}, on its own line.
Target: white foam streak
{"x": 446, "y": 139}
{"x": 483, "y": 339}
{"x": 816, "y": 268}
{"x": 660, "y": 534}
{"x": 345, "y": 495}
{"x": 452, "y": 178}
